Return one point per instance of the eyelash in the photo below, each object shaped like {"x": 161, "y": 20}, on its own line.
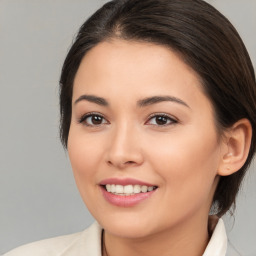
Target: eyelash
{"x": 82, "y": 120}
{"x": 169, "y": 118}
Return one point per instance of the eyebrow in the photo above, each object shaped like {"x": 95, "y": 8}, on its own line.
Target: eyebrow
{"x": 94, "y": 99}
{"x": 157, "y": 99}
{"x": 141, "y": 103}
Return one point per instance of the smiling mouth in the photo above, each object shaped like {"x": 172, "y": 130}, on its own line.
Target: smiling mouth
{"x": 128, "y": 190}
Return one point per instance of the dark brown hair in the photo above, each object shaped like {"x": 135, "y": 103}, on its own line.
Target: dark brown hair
{"x": 202, "y": 37}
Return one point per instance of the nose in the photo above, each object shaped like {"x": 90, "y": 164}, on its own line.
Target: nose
{"x": 124, "y": 148}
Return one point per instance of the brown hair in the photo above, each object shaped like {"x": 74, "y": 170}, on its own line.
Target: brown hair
{"x": 204, "y": 39}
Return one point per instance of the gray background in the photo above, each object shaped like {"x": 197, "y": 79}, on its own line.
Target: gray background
{"x": 38, "y": 196}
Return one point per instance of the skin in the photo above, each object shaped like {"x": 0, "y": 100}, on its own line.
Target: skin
{"x": 182, "y": 157}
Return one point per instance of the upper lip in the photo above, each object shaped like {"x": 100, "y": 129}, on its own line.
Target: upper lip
{"x": 125, "y": 181}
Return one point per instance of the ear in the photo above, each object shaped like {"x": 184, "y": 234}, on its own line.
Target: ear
{"x": 237, "y": 146}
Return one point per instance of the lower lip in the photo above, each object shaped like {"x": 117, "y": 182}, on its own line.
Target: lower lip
{"x": 125, "y": 201}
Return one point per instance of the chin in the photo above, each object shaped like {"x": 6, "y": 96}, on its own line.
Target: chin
{"x": 132, "y": 228}
{"x": 126, "y": 230}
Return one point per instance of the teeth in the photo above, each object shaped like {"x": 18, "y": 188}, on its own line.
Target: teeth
{"x": 150, "y": 189}
{"x": 144, "y": 189}
{"x": 108, "y": 187}
{"x": 120, "y": 189}
{"x": 128, "y": 189}
{"x": 136, "y": 189}
{"x": 113, "y": 188}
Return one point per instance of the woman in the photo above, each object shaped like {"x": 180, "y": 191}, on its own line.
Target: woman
{"x": 158, "y": 108}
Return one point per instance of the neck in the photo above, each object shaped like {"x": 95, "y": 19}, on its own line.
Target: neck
{"x": 188, "y": 238}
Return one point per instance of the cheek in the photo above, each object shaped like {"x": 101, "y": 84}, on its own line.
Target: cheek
{"x": 187, "y": 164}
{"x": 83, "y": 154}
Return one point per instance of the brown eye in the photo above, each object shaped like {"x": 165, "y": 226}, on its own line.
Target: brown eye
{"x": 93, "y": 120}
{"x": 96, "y": 120}
{"x": 161, "y": 120}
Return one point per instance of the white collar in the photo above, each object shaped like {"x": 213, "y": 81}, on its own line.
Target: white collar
{"x": 217, "y": 245}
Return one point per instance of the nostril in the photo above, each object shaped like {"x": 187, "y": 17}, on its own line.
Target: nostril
{"x": 121, "y": 164}
{"x": 129, "y": 162}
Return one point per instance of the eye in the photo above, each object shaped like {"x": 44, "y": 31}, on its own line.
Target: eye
{"x": 161, "y": 120}
{"x": 91, "y": 119}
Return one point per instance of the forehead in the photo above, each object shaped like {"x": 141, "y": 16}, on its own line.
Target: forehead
{"x": 135, "y": 68}
{"x": 131, "y": 56}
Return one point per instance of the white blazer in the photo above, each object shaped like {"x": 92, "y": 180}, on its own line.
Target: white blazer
{"x": 88, "y": 243}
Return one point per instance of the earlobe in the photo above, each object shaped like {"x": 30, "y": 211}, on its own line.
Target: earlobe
{"x": 238, "y": 141}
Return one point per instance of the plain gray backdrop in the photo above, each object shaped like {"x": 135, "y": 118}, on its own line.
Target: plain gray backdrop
{"x": 38, "y": 195}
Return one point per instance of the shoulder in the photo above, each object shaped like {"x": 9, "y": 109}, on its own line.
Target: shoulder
{"x": 83, "y": 243}
{"x": 50, "y": 246}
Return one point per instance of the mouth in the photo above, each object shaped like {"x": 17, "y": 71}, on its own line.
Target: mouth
{"x": 127, "y": 190}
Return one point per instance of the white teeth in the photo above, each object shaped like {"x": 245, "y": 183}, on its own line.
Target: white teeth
{"x": 144, "y": 189}
{"x": 128, "y": 189}
{"x": 113, "y": 188}
{"x": 108, "y": 187}
{"x": 120, "y": 189}
{"x": 150, "y": 189}
{"x": 136, "y": 189}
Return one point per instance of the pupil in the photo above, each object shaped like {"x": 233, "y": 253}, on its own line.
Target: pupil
{"x": 96, "y": 120}
{"x": 161, "y": 120}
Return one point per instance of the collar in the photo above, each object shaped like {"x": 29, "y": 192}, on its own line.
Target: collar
{"x": 217, "y": 245}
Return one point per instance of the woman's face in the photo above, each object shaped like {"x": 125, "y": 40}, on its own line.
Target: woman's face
{"x": 140, "y": 121}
